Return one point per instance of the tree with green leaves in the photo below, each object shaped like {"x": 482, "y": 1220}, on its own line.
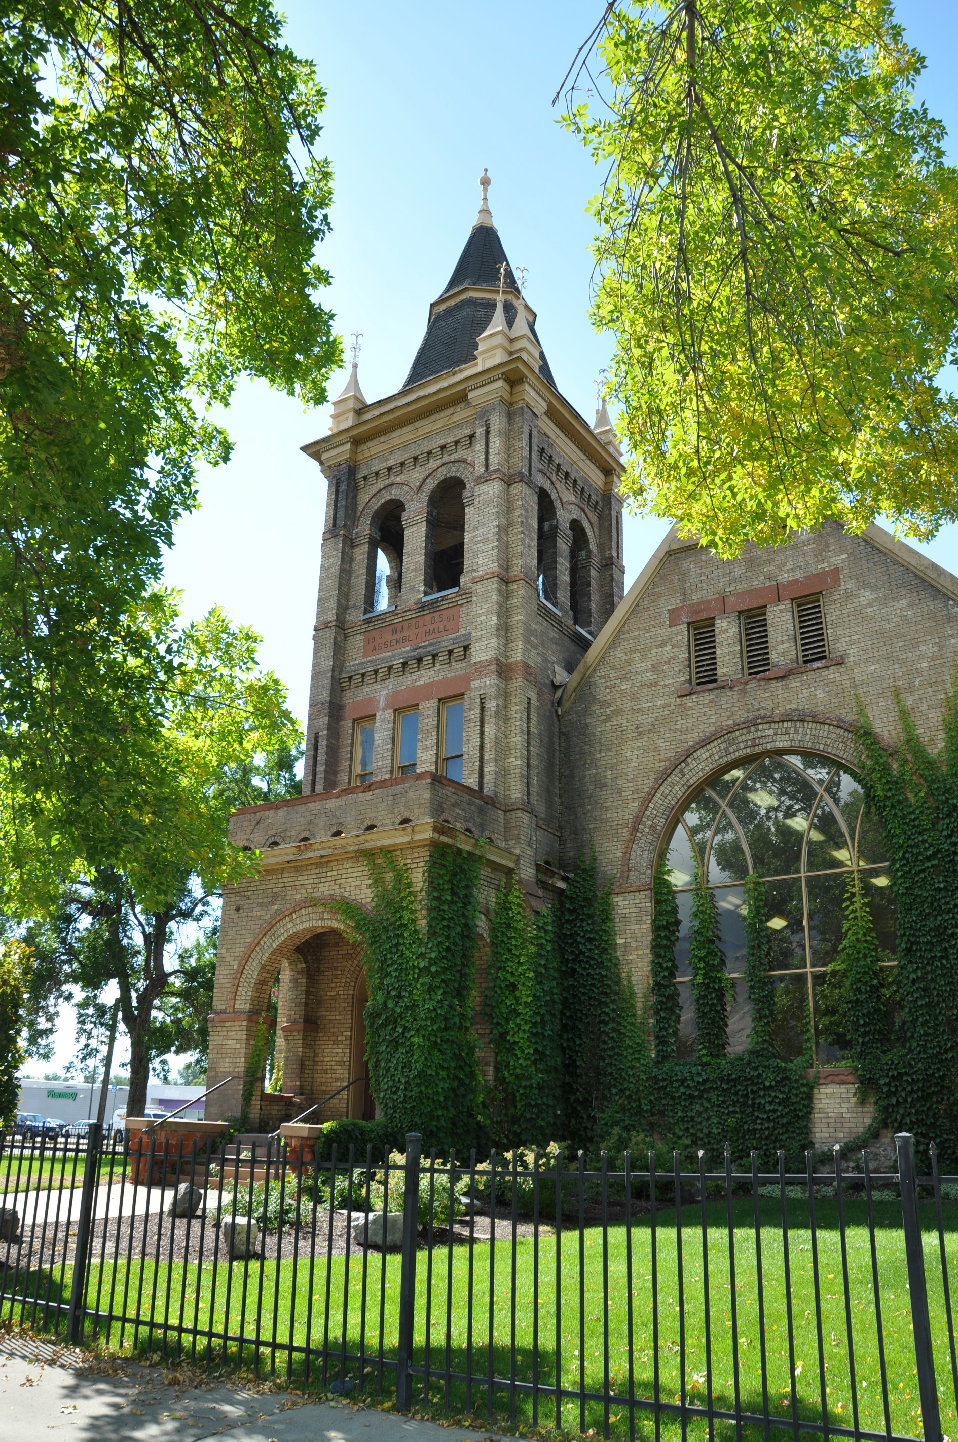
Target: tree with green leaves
{"x": 160, "y": 209}
{"x": 15, "y": 963}
{"x": 133, "y": 925}
{"x": 777, "y": 248}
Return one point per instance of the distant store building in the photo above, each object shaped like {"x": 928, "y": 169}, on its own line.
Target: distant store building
{"x": 74, "y": 1101}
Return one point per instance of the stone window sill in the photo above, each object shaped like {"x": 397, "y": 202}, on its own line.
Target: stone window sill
{"x": 775, "y": 674}
{"x": 439, "y": 595}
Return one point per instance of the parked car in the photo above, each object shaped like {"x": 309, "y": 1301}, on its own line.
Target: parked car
{"x": 78, "y": 1131}
{"x": 28, "y": 1126}
{"x": 55, "y": 1126}
{"x": 119, "y": 1120}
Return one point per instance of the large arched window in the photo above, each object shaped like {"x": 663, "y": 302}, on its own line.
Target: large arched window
{"x": 580, "y": 577}
{"x": 384, "y": 567}
{"x": 547, "y": 532}
{"x": 445, "y": 537}
{"x": 799, "y": 822}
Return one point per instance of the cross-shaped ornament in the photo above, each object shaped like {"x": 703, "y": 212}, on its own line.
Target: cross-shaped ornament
{"x": 522, "y": 271}
{"x": 503, "y": 267}
{"x": 356, "y": 347}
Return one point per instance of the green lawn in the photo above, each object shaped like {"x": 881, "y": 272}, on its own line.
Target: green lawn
{"x": 579, "y": 1355}
{"x": 29, "y": 1173}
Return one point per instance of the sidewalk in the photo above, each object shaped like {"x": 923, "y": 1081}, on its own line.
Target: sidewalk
{"x": 45, "y": 1387}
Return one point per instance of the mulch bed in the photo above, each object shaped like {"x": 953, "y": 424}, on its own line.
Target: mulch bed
{"x": 158, "y": 1237}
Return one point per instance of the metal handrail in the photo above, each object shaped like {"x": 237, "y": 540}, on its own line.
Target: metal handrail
{"x": 309, "y": 1111}
{"x": 191, "y": 1103}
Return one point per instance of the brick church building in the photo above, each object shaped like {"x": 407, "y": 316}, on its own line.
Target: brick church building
{"x": 478, "y": 676}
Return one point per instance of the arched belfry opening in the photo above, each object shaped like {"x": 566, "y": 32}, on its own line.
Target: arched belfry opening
{"x": 547, "y": 535}
{"x": 384, "y": 567}
{"x": 580, "y": 577}
{"x": 445, "y": 537}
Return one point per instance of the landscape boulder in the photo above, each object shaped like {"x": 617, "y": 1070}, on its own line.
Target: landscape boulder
{"x": 9, "y": 1224}
{"x": 368, "y": 1231}
{"x": 185, "y": 1201}
{"x": 240, "y": 1237}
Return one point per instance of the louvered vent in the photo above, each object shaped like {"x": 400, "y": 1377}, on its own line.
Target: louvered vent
{"x": 704, "y": 657}
{"x": 755, "y": 642}
{"x": 810, "y": 624}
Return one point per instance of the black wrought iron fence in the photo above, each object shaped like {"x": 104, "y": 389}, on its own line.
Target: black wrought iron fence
{"x": 522, "y": 1290}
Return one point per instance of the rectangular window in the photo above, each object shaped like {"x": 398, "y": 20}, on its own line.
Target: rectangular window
{"x": 810, "y": 629}
{"x": 755, "y": 653}
{"x": 702, "y": 653}
{"x": 450, "y": 738}
{"x": 364, "y": 734}
{"x": 407, "y": 742}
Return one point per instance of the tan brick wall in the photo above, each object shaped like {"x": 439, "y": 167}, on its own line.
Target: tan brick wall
{"x": 283, "y": 920}
{"x": 836, "y": 1114}
{"x": 633, "y": 747}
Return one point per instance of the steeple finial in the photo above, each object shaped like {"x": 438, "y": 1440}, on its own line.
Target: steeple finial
{"x": 485, "y": 214}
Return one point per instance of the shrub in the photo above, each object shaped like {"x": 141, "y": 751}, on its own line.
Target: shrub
{"x": 262, "y": 1205}
{"x": 359, "y": 1134}
{"x": 442, "y": 1209}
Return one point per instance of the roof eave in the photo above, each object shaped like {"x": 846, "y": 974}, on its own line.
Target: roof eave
{"x": 423, "y": 397}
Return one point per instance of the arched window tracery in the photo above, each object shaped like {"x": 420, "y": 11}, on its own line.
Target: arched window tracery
{"x": 798, "y": 821}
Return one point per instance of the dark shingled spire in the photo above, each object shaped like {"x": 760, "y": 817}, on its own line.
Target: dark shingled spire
{"x": 451, "y": 334}
{"x": 479, "y": 263}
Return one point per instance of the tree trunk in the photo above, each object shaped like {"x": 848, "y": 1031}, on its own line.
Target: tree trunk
{"x": 138, "y": 1023}
{"x": 139, "y": 1068}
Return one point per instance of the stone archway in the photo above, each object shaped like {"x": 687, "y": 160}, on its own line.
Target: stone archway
{"x": 318, "y": 968}
{"x": 683, "y": 775}
{"x": 686, "y": 772}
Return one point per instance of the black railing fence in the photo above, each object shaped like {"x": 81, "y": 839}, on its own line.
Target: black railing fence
{"x": 627, "y": 1301}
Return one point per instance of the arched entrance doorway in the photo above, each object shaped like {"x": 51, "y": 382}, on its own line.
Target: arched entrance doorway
{"x": 314, "y": 974}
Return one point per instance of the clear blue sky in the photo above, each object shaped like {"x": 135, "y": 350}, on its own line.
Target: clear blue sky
{"x": 419, "y": 99}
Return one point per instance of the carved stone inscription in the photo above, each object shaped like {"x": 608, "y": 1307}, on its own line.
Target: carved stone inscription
{"x": 416, "y": 630}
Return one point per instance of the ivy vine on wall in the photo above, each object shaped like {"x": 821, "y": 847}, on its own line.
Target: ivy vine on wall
{"x": 603, "y": 1046}
{"x": 419, "y": 952}
{"x": 709, "y": 981}
{"x": 914, "y": 1071}
{"x": 665, "y": 1004}
{"x": 522, "y": 1009}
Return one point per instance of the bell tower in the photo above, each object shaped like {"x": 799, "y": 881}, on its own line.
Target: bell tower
{"x": 472, "y": 550}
